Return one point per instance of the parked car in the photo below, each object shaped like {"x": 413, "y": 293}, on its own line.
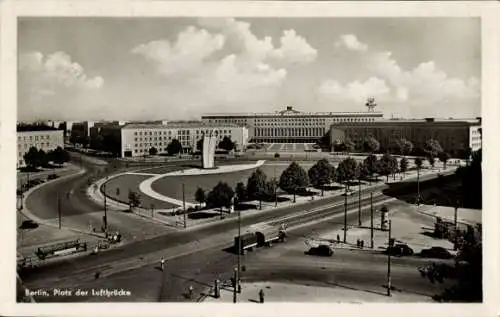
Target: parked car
{"x": 52, "y": 176}
{"x": 321, "y": 250}
{"x": 400, "y": 249}
{"x": 348, "y": 193}
{"x": 436, "y": 252}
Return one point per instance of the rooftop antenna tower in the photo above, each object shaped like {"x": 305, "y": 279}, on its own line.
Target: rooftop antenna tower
{"x": 370, "y": 104}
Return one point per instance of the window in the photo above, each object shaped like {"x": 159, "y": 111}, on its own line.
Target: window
{"x": 36, "y": 137}
{"x": 135, "y": 133}
{"x": 19, "y": 138}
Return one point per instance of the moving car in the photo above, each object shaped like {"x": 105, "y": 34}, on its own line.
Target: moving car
{"x": 348, "y": 193}
{"x": 321, "y": 250}
{"x": 400, "y": 249}
{"x": 436, "y": 252}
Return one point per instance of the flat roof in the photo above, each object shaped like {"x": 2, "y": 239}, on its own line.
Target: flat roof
{"x": 470, "y": 121}
{"x": 291, "y": 114}
{"x": 183, "y": 125}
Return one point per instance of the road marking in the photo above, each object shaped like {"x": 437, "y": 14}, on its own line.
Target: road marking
{"x": 139, "y": 173}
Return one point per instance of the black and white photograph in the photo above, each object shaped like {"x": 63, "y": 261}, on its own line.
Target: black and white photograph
{"x": 249, "y": 159}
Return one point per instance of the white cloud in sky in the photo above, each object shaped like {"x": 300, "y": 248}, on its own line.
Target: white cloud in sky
{"x": 48, "y": 82}
{"x": 425, "y": 87}
{"x": 355, "y": 91}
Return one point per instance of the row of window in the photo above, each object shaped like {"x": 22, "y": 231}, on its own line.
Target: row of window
{"x": 179, "y": 132}
{"x": 281, "y": 132}
{"x": 36, "y": 137}
{"x": 37, "y": 145}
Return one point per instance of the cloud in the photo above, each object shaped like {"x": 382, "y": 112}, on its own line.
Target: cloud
{"x": 221, "y": 62}
{"x": 48, "y": 84}
{"x": 192, "y": 47}
{"x": 351, "y": 42}
{"x": 425, "y": 87}
{"x": 355, "y": 91}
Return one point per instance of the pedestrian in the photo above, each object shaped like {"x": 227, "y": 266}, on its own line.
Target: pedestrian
{"x": 162, "y": 263}
{"x": 96, "y": 275}
{"x": 362, "y": 243}
{"x": 261, "y": 296}
{"x": 358, "y": 243}
{"x": 190, "y": 292}
{"x": 338, "y": 237}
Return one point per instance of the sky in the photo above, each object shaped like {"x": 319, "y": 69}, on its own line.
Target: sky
{"x": 180, "y": 68}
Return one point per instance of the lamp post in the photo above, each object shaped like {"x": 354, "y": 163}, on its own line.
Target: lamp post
{"x": 345, "y": 215}
{"x": 389, "y": 263}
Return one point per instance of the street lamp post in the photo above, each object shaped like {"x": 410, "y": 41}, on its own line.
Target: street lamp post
{"x": 184, "y": 205}
{"x": 59, "y": 209}
{"x": 359, "y": 201}
{"x": 345, "y": 215}
{"x": 389, "y": 263}
{"x": 235, "y": 293}
{"x": 371, "y": 220}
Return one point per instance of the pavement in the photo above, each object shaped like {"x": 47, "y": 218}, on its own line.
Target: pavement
{"x": 288, "y": 292}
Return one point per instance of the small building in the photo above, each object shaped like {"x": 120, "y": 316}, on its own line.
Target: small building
{"x": 454, "y": 135}
{"x": 138, "y": 139}
{"x": 42, "y": 137}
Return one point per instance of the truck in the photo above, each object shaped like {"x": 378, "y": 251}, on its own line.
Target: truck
{"x": 259, "y": 236}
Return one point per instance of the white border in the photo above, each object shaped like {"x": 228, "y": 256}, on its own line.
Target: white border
{"x": 487, "y": 10}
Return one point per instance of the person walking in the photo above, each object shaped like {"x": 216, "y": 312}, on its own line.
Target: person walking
{"x": 190, "y": 291}
{"x": 162, "y": 263}
{"x": 261, "y": 296}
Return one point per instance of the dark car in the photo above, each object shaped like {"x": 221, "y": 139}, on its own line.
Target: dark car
{"x": 436, "y": 252}
{"x": 321, "y": 250}
{"x": 400, "y": 249}
{"x": 52, "y": 176}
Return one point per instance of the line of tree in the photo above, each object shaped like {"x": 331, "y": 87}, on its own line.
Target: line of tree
{"x": 174, "y": 147}
{"x": 39, "y": 158}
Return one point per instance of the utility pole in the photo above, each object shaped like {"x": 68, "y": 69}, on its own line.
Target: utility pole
{"x": 239, "y": 252}
{"x": 345, "y": 215}
{"x": 455, "y": 246}
{"x": 418, "y": 186}
{"x": 59, "y": 209}
{"x": 235, "y": 293}
{"x": 184, "y": 205}
{"x": 105, "y": 207}
{"x": 371, "y": 220}
{"x": 359, "y": 202}
{"x": 389, "y": 263}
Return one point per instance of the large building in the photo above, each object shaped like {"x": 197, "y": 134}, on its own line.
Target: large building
{"x": 454, "y": 135}
{"x": 46, "y": 139}
{"x": 138, "y": 139}
{"x": 289, "y": 125}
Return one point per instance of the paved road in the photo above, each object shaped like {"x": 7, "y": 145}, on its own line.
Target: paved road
{"x": 362, "y": 270}
{"x": 64, "y": 272}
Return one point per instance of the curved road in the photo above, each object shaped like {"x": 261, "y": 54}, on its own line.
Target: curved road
{"x": 79, "y": 271}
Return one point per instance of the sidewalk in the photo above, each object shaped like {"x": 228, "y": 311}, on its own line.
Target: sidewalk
{"x": 408, "y": 226}
{"x": 287, "y": 292}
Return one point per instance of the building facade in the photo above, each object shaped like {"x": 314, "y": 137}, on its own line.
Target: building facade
{"x": 138, "y": 139}
{"x": 455, "y": 136}
{"x": 289, "y": 125}
{"x": 46, "y": 140}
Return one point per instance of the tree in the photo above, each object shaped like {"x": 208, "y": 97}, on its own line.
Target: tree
{"x": 240, "y": 191}
{"x": 403, "y": 165}
{"x": 174, "y": 147}
{"x": 43, "y": 157}
{"x": 432, "y": 148}
{"x": 348, "y": 145}
{"x": 388, "y": 165}
{"x": 467, "y": 272}
{"x": 346, "y": 171}
{"x": 325, "y": 141}
{"x": 320, "y": 174}
{"x": 293, "y": 178}
{"x": 444, "y": 157}
{"x": 32, "y": 158}
{"x": 199, "y": 196}
{"x": 371, "y": 145}
{"x": 418, "y": 163}
{"x": 133, "y": 199}
{"x": 59, "y": 156}
{"x": 199, "y": 145}
{"x": 432, "y": 160}
{"x": 153, "y": 151}
{"x": 271, "y": 187}
{"x": 226, "y": 144}
{"x": 405, "y": 146}
{"x": 256, "y": 186}
{"x": 372, "y": 165}
{"x": 220, "y": 196}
